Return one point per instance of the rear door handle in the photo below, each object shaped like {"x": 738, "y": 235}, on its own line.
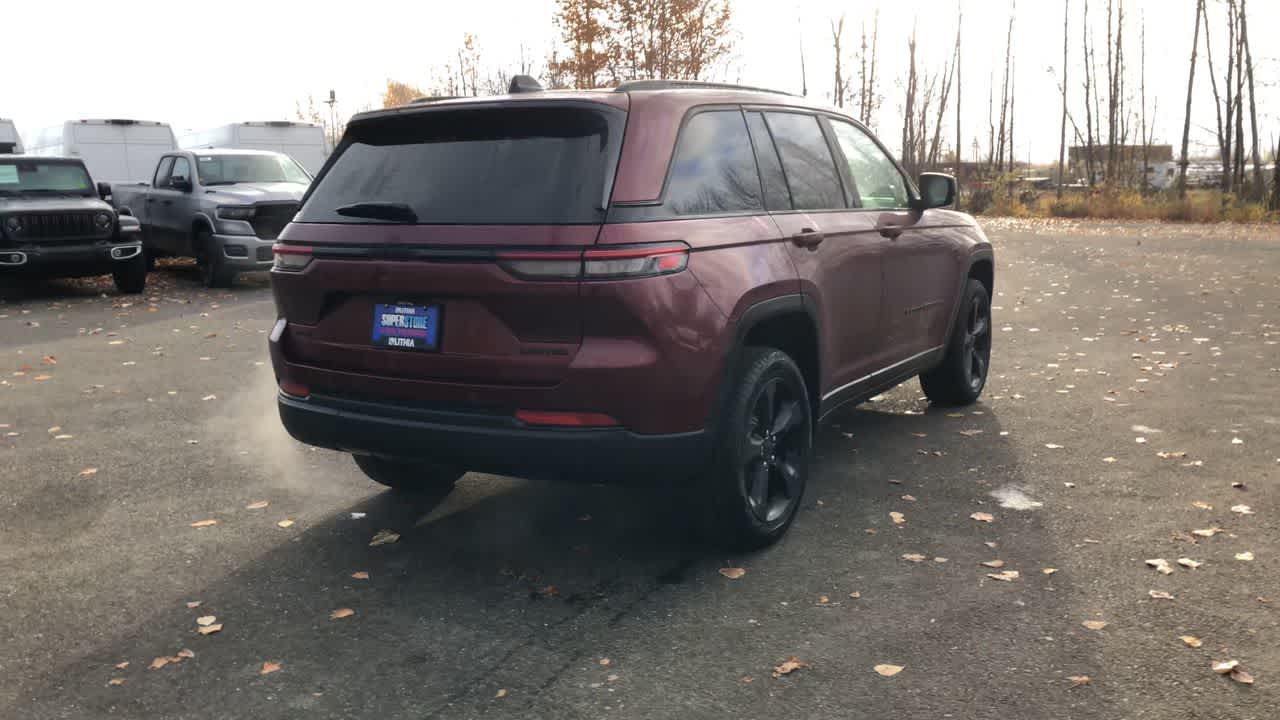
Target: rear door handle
{"x": 808, "y": 238}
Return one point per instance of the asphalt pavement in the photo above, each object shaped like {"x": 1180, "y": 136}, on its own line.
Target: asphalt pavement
{"x": 146, "y": 487}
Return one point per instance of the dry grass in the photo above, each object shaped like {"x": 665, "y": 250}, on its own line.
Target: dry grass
{"x": 1199, "y": 206}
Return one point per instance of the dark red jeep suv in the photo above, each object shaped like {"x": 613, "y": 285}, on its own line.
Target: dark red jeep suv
{"x": 661, "y": 283}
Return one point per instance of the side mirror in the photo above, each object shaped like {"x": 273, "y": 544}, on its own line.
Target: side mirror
{"x": 936, "y": 190}
{"x": 104, "y": 190}
{"x": 180, "y": 183}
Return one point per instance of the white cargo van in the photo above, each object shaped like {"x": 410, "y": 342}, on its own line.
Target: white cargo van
{"x": 113, "y": 150}
{"x": 10, "y": 142}
{"x": 303, "y": 141}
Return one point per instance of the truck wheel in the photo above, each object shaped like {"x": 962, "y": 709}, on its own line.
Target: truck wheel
{"x": 761, "y": 460}
{"x": 130, "y": 275}
{"x": 213, "y": 270}
{"x": 959, "y": 379}
{"x": 409, "y": 476}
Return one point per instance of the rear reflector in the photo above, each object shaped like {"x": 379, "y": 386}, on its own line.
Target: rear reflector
{"x": 290, "y": 258}
{"x": 294, "y": 389}
{"x": 565, "y": 419}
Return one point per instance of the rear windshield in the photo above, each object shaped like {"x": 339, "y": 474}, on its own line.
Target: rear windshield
{"x": 527, "y": 166}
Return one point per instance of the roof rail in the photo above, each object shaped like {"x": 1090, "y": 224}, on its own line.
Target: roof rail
{"x": 636, "y": 85}
{"x": 433, "y": 98}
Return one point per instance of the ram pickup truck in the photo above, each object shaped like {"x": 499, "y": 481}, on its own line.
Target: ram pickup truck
{"x": 54, "y": 224}
{"x": 222, "y": 207}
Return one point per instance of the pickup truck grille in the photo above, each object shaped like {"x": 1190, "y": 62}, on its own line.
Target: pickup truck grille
{"x": 269, "y": 219}
{"x": 53, "y": 228}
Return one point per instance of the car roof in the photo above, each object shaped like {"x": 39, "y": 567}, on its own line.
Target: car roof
{"x": 229, "y": 151}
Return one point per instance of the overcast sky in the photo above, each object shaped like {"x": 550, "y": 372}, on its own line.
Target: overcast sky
{"x": 242, "y": 60}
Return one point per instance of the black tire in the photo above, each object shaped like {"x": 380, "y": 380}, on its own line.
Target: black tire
{"x": 761, "y": 460}
{"x": 130, "y": 276}
{"x": 151, "y": 260}
{"x": 214, "y": 272}
{"x": 959, "y": 379}
{"x": 409, "y": 476}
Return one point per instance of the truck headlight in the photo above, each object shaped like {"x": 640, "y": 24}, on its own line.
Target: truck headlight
{"x": 102, "y": 220}
{"x": 13, "y": 224}
{"x": 234, "y": 212}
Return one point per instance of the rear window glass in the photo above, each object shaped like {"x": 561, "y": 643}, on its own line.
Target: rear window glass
{"x": 528, "y": 166}
{"x": 713, "y": 170}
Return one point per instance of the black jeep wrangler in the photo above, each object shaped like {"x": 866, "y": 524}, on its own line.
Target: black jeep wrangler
{"x": 54, "y": 224}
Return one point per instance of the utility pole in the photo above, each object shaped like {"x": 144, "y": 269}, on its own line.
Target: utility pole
{"x": 333, "y": 121}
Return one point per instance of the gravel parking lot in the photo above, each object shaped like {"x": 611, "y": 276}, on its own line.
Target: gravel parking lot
{"x": 1001, "y": 556}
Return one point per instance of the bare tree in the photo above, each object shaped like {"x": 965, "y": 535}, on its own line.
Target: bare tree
{"x": 1186, "y": 123}
{"x": 1062, "y": 138}
{"x": 1259, "y": 188}
{"x": 1088, "y": 98}
{"x": 948, "y": 78}
{"x": 908, "y": 107}
{"x": 804, "y": 78}
{"x": 959, "y": 142}
{"x": 868, "y": 100}
{"x": 838, "y": 89}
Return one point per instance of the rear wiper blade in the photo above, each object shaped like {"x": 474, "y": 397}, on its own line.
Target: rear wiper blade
{"x": 398, "y": 212}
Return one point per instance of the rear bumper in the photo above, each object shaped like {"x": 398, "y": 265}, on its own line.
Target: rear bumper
{"x": 93, "y": 258}
{"x": 244, "y": 252}
{"x": 492, "y": 443}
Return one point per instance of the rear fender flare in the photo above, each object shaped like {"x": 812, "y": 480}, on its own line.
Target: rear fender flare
{"x": 983, "y": 255}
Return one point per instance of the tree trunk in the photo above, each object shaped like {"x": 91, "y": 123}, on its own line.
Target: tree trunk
{"x": 1088, "y": 98}
{"x": 1186, "y": 122}
{"x": 1062, "y": 138}
{"x": 1259, "y": 189}
{"x": 959, "y": 142}
{"x": 837, "y": 91}
{"x": 908, "y": 111}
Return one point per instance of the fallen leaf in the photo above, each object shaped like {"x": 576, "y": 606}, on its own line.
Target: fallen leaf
{"x": 909, "y": 498}
{"x": 49, "y": 360}
{"x": 887, "y": 670}
{"x": 1168, "y": 455}
{"x": 122, "y": 665}
{"x": 42, "y": 378}
{"x": 733, "y": 573}
{"x": 1049, "y": 571}
{"x": 159, "y": 662}
{"x": 63, "y": 437}
{"x": 824, "y": 600}
{"x": 994, "y": 563}
{"x": 116, "y": 681}
{"x": 1236, "y": 441}
{"x": 502, "y": 692}
{"x": 788, "y": 666}
{"x": 384, "y": 537}
{"x": 1241, "y": 677}
{"x": 1242, "y": 509}
{"x": 1239, "y": 485}
{"x": 1222, "y": 667}
{"x": 1207, "y": 532}
{"x": 1189, "y": 563}
{"x": 871, "y": 531}
{"x": 1159, "y": 595}
{"x": 606, "y": 662}
{"x": 209, "y": 397}
{"x": 549, "y": 591}
{"x": 256, "y": 505}
{"x": 204, "y": 523}
{"x": 940, "y": 560}
{"x": 360, "y": 575}
{"x": 185, "y": 653}
{"x": 913, "y": 557}
{"x": 1108, "y": 459}
{"x": 1004, "y": 575}
{"x": 970, "y": 433}
{"x": 205, "y": 620}
{"x": 88, "y": 472}
{"x": 341, "y": 613}
{"x": 210, "y": 629}
{"x": 289, "y": 523}
{"x": 855, "y": 594}
{"x": 982, "y": 517}
{"x": 1094, "y": 624}
{"x": 269, "y": 667}
{"x": 1245, "y": 556}
{"x": 1053, "y": 446}
{"x": 1161, "y": 565}
{"x": 1201, "y": 504}
{"x": 897, "y": 518}
{"x": 1191, "y": 640}
{"x": 194, "y": 604}
{"x": 1079, "y": 680}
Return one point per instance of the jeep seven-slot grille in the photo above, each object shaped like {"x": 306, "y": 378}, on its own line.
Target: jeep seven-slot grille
{"x": 53, "y": 227}
{"x": 270, "y": 219}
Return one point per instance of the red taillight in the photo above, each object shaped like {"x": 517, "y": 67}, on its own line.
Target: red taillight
{"x": 632, "y": 261}
{"x": 635, "y": 261}
{"x": 290, "y": 258}
{"x": 565, "y": 419}
{"x": 295, "y": 389}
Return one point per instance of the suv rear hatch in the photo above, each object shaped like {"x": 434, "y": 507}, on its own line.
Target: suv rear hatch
{"x": 443, "y": 243}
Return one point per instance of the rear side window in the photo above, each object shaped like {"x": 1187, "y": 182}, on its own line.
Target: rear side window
{"x": 776, "y": 194}
{"x": 806, "y": 158}
{"x": 526, "y": 166}
{"x": 713, "y": 170}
